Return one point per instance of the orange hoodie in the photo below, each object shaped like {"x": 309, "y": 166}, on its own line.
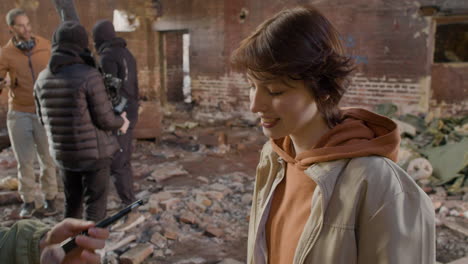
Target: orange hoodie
{"x": 23, "y": 68}
{"x": 362, "y": 133}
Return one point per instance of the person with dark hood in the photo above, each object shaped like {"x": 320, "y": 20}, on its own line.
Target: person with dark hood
{"x": 74, "y": 107}
{"x": 116, "y": 60}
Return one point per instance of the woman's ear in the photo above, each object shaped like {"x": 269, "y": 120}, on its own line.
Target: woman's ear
{"x": 326, "y": 97}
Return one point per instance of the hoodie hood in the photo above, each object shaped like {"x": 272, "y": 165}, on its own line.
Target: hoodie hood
{"x": 361, "y": 133}
{"x": 63, "y": 55}
{"x": 115, "y": 42}
{"x": 103, "y": 31}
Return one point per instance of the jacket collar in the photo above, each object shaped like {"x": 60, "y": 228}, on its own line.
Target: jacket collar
{"x": 325, "y": 174}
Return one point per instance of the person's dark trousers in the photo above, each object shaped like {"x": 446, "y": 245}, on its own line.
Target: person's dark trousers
{"x": 90, "y": 186}
{"x": 121, "y": 168}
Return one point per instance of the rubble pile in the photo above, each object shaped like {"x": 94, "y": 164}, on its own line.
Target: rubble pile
{"x": 197, "y": 181}
{"x": 215, "y": 212}
{"x": 434, "y": 152}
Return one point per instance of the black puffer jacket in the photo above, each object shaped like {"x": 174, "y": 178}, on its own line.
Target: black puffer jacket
{"x": 117, "y": 60}
{"x": 73, "y": 105}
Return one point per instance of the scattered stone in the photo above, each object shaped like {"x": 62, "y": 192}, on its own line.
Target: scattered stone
{"x": 158, "y": 240}
{"x": 203, "y": 179}
{"x": 196, "y": 207}
{"x": 213, "y": 231}
{"x": 217, "y": 208}
{"x": 168, "y": 170}
{"x": 188, "y": 218}
{"x": 220, "y": 188}
{"x": 246, "y": 198}
{"x": 201, "y": 199}
{"x": 215, "y": 195}
{"x": 171, "y": 204}
{"x": 170, "y": 234}
{"x": 143, "y": 195}
{"x": 137, "y": 254}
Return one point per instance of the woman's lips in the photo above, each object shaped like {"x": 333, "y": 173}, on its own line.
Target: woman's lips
{"x": 269, "y": 122}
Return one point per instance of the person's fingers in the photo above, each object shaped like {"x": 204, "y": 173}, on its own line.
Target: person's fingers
{"x": 52, "y": 255}
{"x": 91, "y": 258}
{"x": 96, "y": 232}
{"x": 76, "y": 225}
{"x": 90, "y": 242}
{"x": 67, "y": 228}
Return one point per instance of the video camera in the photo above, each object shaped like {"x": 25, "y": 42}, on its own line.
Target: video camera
{"x": 113, "y": 86}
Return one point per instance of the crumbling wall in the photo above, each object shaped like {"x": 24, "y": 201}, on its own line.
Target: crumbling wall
{"x": 390, "y": 41}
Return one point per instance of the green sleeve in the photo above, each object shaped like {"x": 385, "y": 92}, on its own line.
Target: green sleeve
{"x": 19, "y": 244}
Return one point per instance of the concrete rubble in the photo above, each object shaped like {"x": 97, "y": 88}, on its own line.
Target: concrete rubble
{"x": 197, "y": 181}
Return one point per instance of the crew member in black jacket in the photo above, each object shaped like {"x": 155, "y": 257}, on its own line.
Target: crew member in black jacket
{"x": 73, "y": 105}
{"x": 115, "y": 59}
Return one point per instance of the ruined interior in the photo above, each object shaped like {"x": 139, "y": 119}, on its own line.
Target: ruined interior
{"x": 196, "y": 144}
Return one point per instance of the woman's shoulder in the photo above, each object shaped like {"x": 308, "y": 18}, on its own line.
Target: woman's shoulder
{"x": 380, "y": 175}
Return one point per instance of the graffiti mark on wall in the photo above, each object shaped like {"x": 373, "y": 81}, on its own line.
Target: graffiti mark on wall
{"x": 359, "y": 59}
{"x": 349, "y": 42}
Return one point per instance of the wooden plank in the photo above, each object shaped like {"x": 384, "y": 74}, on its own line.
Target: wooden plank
{"x": 120, "y": 243}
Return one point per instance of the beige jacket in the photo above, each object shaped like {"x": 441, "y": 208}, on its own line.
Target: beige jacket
{"x": 364, "y": 211}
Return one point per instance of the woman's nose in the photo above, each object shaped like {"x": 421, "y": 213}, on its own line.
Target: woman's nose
{"x": 257, "y": 102}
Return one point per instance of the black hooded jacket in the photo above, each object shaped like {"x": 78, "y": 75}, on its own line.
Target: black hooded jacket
{"x": 116, "y": 59}
{"x": 73, "y": 105}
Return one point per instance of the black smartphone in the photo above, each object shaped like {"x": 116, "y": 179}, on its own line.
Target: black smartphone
{"x": 70, "y": 244}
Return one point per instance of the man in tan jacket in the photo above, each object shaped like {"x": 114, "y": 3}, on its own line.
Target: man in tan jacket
{"x": 23, "y": 57}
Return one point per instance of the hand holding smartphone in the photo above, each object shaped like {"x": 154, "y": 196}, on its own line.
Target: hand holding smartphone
{"x": 70, "y": 244}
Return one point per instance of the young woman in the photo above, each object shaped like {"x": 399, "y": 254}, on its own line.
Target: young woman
{"x": 327, "y": 188}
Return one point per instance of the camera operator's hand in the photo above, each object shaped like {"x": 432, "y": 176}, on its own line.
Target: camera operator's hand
{"x": 124, "y": 127}
{"x": 52, "y": 253}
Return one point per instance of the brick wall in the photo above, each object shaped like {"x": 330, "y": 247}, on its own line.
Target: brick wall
{"x": 142, "y": 42}
{"x": 390, "y": 42}
{"x": 368, "y": 92}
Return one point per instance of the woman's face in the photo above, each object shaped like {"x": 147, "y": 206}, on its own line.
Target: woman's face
{"x": 285, "y": 106}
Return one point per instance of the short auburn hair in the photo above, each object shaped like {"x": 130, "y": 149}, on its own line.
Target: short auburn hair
{"x": 299, "y": 43}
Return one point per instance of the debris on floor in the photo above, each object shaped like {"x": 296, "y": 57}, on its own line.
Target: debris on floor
{"x": 197, "y": 181}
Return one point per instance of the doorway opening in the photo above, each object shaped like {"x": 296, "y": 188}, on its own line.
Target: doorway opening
{"x": 175, "y": 65}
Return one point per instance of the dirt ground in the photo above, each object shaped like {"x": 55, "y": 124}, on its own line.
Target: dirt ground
{"x": 206, "y": 175}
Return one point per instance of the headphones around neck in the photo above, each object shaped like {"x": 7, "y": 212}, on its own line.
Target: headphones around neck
{"x": 25, "y": 45}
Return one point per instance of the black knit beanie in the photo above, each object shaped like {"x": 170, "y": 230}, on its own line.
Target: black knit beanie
{"x": 71, "y": 32}
{"x": 103, "y": 31}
